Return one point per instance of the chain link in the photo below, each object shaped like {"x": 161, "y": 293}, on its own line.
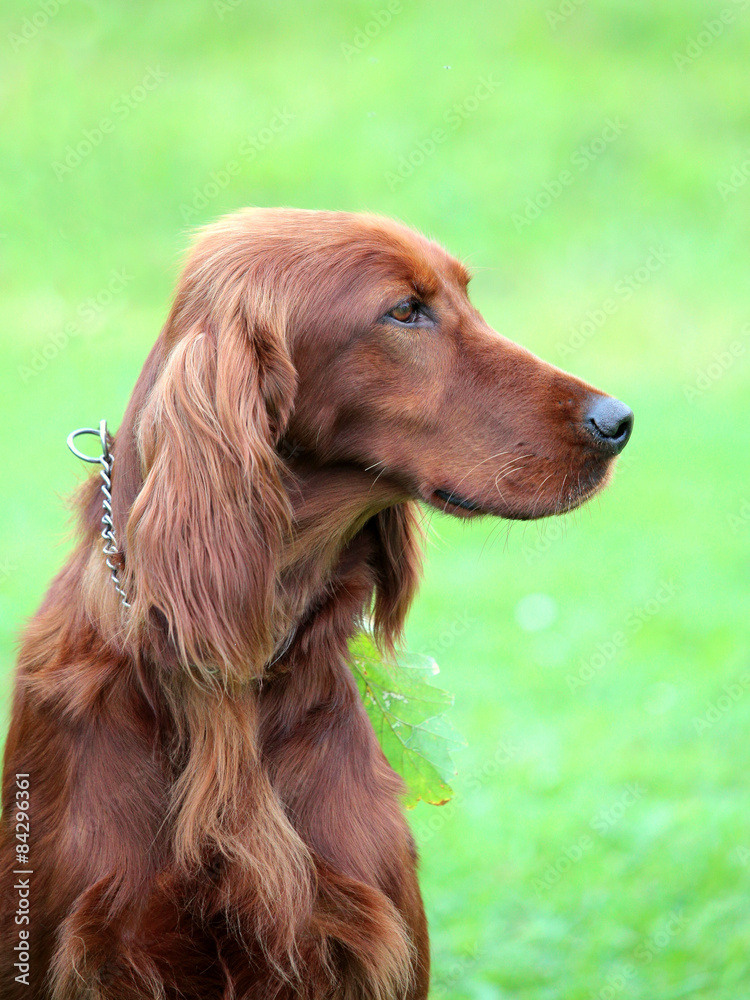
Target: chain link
{"x": 106, "y": 460}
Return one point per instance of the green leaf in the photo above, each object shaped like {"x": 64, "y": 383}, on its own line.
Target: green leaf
{"x": 407, "y": 713}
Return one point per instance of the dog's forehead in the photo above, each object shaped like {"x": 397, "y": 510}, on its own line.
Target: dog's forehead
{"x": 406, "y": 255}
{"x": 359, "y": 249}
{"x": 369, "y": 239}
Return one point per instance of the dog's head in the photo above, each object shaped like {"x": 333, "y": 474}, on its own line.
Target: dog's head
{"x": 399, "y": 373}
{"x": 351, "y": 340}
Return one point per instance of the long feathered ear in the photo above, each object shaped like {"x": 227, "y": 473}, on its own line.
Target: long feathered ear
{"x": 398, "y": 571}
{"x": 204, "y": 531}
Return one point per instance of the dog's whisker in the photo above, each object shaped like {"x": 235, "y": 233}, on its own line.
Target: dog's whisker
{"x": 475, "y": 467}
{"x": 537, "y": 495}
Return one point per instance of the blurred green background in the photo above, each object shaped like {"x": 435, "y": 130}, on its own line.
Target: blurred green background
{"x": 591, "y": 165}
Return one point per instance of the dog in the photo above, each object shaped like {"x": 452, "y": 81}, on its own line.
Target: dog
{"x": 210, "y": 813}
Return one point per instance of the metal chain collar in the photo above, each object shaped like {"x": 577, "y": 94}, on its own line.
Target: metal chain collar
{"x": 106, "y": 460}
{"x": 110, "y": 549}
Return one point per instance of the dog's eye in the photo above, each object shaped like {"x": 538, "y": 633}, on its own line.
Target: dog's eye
{"x": 407, "y": 311}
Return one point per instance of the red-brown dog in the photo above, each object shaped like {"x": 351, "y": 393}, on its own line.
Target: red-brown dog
{"x": 211, "y": 815}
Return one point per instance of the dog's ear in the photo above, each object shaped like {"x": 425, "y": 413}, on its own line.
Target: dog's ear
{"x": 205, "y": 528}
{"x": 398, "y": 571}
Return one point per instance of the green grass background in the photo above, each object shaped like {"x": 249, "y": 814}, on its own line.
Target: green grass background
{"x": 599, "y": 845}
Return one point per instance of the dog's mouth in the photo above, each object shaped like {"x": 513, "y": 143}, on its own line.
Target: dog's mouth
{"x": 454, "y": 503}
{"x": 517, "y": 506}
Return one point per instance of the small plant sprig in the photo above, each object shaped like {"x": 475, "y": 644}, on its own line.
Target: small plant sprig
{"x": 408, "y": 715}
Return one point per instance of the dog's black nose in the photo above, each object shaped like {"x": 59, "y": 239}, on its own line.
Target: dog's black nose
{"x": 609, "y": 422}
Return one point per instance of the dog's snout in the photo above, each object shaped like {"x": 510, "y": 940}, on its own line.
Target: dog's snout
{"x": 609, "y": 422}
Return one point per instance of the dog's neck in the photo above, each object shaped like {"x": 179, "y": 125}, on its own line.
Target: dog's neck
{"x": 342, "y": 517}
{"x": 330, "y": 505}
{"x": 336, "y": 511}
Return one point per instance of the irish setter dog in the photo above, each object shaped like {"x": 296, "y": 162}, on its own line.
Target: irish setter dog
{"x": 211, "y": 815}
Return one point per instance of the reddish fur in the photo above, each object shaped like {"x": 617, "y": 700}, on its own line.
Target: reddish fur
{"x": 211, "y": 813}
